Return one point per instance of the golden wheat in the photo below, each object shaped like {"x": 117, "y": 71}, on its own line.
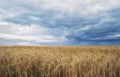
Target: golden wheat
{"x": 73, "y": 61}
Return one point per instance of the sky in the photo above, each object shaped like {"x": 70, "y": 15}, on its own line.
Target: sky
{"x": 59, "y": 22}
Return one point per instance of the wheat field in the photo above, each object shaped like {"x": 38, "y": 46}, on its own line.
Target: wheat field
{"x": 71, "y": 61}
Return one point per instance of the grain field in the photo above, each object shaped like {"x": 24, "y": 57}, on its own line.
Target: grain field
{"x": 71, "y": 61}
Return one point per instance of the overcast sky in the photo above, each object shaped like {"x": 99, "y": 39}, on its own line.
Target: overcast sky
{"x": 59, "y": 22}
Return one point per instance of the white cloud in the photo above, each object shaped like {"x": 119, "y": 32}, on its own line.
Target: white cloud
{"x": 82, "y": 7}
{"x": 27, "y": 44}
{"x": 11, "y": 8}
{"x": 34, "y": 18}
{"x": 37, "y": 38}
{"x": 113, "y": 36}
{"x": 20, "y": 29}
{"x": 34, "y": 33}
{"x": 85, "y": 28}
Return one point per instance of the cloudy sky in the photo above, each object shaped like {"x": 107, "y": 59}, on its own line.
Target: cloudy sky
{"x": 59, "y": 22}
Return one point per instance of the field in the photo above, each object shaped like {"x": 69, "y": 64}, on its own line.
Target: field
{"x": 73, "y": 61}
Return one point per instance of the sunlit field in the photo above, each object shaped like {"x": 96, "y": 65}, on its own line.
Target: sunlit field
{"x": 101, "y": 61}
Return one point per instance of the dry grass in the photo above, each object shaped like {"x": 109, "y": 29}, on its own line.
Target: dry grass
{"x": 60, "y": 61}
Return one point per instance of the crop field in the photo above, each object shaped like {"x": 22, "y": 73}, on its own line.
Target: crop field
{"x": 66, "y": 61}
